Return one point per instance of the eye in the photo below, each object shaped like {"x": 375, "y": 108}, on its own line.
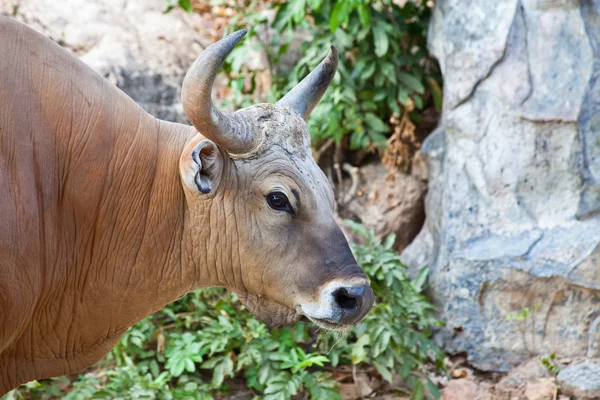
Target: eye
{"x": 279, "y": 201}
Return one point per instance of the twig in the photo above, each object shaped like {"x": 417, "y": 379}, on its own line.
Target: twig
{"x": 319, "y": 152}
{"x": 356, "y": 384}
{"x": 392, "y": 20}
{"x": 265, "y": 44}
{"x": 338, "y": 175}
{"x": 330, "y": 175}
{"x": 353, "y": 172}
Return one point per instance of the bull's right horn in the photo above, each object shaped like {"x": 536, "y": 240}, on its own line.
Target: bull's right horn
{"x": 232, "y": 131}
{"x": 306, "y": 95}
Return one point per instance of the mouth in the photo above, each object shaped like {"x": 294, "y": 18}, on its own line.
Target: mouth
{"x": 328, "y": 324}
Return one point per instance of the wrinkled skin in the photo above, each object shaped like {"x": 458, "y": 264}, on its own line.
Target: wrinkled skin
{"x": 108, "y": 214}
{"x": 279, "y": 261}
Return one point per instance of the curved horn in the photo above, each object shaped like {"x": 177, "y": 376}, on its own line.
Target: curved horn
{"x": 228, "y": 130}
{"x": 306, "y": 95}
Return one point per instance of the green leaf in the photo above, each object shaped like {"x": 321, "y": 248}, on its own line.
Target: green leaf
{"x": 189, "y": 365}
{"x": 403, "y": 96}
{"x": 380, "y": 96}
{"x": 411, "y": 82}
{"x": 339, "y": 15}
{"x": 356, "y": 140}
{"x": 263, "y": 373}
{"x": 389, "y": 71}
{"x": 420, "y": 280}
{"x": 221, "y": 370}
{"x": 418, "y": 391}
{"x": 368, "y": 71}
{"x": 283, "y": 48}
{"x": 383, "y": 370}
{"x": 170, "y": 5}
{"x": 364, "y": 14}
{"x": 389, "y": 241}
{"x": 315, "y": 4}
{"x": 375, "y": 123}
{"x": 239, "y": 57}
{"x": 298, "y": 10}
{"x": 436, "y": 92}
{"x": 359, "y": 351}
{"x": 418, "y": 102}
{"x": 283, "y": 17}
{"x": 186, "y": 5}
{"x": 432, "y": 389}
{"x": 380, "y": 40}
{"x": 378, "y": 139}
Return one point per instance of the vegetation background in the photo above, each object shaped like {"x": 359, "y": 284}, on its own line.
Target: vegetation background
{"x": 206, "y": 345}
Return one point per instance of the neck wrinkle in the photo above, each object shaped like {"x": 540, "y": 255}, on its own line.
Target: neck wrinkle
{"x": 210, "y": 241}
{"x": 172, "y": 277}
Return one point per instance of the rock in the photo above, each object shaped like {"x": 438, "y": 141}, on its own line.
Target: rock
{"x": 525, "y": 380}
{"x": 513, "y": 207}
{"x": 134, "y": 44}
{"x": 543, "y": 389}
{"x": 388, "y": 204}
{"x": 462, "y": 389}
{"x": 348, "y": 391}
{"x": 530, "y": 370}
{"x": 460, "y": 373}
{"x": 139, "y": 48}
{"x": 581, "y": 380}
{"x": 363, "y": 385}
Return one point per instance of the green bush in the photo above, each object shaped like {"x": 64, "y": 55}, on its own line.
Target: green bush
{"x": 197, "y": 347}
{"x": 384, "y": 68}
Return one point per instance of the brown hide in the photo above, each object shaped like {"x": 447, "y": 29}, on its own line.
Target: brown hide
{"x": 107, "y": 214}
{"x": 91, "y": 210}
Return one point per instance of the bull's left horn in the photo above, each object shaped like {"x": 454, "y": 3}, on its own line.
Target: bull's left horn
{"x": 229, "y": 130}
{"x": 305, "y": 96}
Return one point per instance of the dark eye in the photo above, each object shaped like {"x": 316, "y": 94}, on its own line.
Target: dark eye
{"x": 278, "y": 201}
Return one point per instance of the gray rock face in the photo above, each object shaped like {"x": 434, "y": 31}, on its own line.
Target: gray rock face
{"x": 145, "y": 52}
{"x": 581, "y": 381}
{"x": 513, "y": 208}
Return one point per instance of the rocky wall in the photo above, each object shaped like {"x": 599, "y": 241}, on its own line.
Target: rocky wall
{"x": 513, "y": 207}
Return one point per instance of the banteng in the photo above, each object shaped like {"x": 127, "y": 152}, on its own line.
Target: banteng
{"x": 107, "y": 213}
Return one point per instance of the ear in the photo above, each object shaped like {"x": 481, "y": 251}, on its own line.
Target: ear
{"x": 205, "y": 165}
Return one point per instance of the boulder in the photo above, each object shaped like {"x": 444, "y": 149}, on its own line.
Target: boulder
{"x": 581, "y": 380}
{"x": 543, "y": 389}
{"x": 134, "y": 44}
{"x": 529, "y": 371}
{"x": 388, "y": 203}
{"x": 513, "y": 205}
{"x": 462, "y": 389}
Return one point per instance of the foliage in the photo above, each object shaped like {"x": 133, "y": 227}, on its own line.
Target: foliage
{"x": 198, "y": 346}
{"x": 385, "y": 70}
{"x": 183, "y": 4}
{"x": 550, "y": 363}
{"x": 524, "y": 318}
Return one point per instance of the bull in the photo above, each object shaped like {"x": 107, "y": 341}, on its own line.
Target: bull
{"x": 107, "y": 214}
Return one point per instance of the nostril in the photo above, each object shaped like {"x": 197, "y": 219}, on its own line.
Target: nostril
{"x": 348, "y": 299}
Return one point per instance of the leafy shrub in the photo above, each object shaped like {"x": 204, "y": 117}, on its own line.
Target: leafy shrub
{"x": 197, "y": 346}
{"x": 385, "y": 70}
{"x": 381, "y": 70}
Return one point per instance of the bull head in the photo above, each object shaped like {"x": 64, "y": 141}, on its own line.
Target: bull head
{"x": 252, "y": 184}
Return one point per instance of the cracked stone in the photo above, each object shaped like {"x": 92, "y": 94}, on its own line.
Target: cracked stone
{"x": 581, "y": 380}
{"x": 510, "y": 221}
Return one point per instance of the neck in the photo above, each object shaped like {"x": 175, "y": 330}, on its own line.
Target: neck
{"x": 163, "y": 265}
{"x": 210, "y": 230}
